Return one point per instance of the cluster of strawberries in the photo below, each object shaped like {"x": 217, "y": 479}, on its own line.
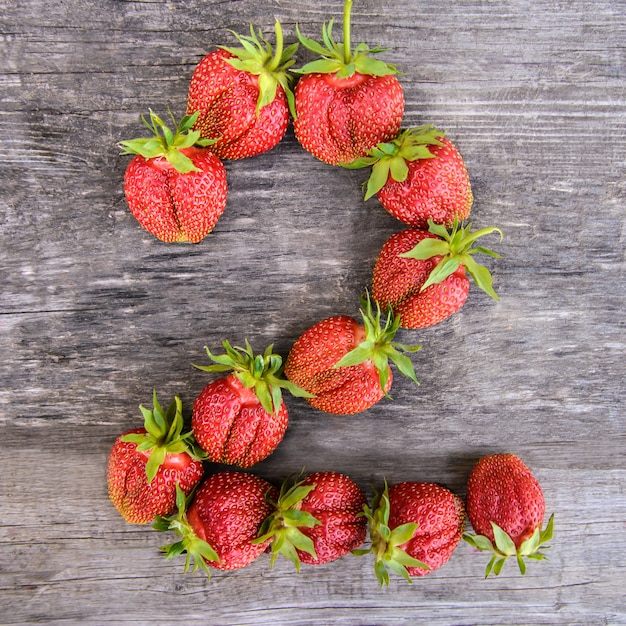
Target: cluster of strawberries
{"x": 229, "y": 518}
{"x": 347, "y": 109}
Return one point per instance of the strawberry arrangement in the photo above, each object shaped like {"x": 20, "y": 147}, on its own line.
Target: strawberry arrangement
{"x": 347, "y": 108}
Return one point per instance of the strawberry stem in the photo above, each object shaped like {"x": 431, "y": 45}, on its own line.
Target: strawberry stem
{"x": 347, "y": 46}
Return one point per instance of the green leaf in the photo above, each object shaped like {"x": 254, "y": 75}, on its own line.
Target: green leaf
{"x": 402, "y": 534}
{"x": 442, "y": 270}
{"x": 399, "y": 169}
{"x": 426, "y": 249}
{"x": 378, "y": 178}
{"x": 481, "y": 276}
{"x": 157, "y": 457}
{"x": 503, "y": 542}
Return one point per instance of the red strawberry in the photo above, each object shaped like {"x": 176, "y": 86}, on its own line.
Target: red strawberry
{"x": 421, "y": 274}
{"x": 345, "y": 365}
{"x": 239, "y": 419}
{"x": 414, "y": 528}
{"x": 243, "y": 95}
{"x": 418, "y": 176}
{"x": 506, "y": 508}
{"x": 175, "y": 187}
{"x": 146, "y": 464}
{"x": 317, "y": 520}
{"x": 346, "y": 102}
{"x": 220, "y": 526}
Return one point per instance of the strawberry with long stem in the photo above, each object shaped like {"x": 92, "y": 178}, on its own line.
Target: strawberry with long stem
{"x": 346, "y": 101}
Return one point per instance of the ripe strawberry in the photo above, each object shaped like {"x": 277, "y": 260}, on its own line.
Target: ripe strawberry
{"x": 175, "y": 186}
{"x": 243, "y": 95}
{"x": 317, "y": 520}
{"x": 506, "y": 508}
{"x": 146, "y": 464}
{"x": 421, "y": 274}
{"x": 346, "y": 102}
{"x": 239, "y": 419}
{"x": 418, "y": 176}
{"x": 219, "y": 527}
{"x": 414, "y": 528}
{"x": 345, "y": 365}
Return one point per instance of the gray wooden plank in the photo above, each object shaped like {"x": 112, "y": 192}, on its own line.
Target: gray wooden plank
{"x": 95, "y": 312}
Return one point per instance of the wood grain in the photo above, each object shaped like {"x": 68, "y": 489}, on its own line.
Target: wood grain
{"x": 96, "y": 313}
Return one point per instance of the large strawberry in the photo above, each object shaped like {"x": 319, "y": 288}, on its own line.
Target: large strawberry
{"x": 344, "y": 364}
{"x": 422, "y": 274}
{"x": 418, "y": 176}
{"x": 243, "y": 95}
{"x": 317, "y": 519}
{"x": 506, "y": 508}
{"x": 146, "y": 464}
{"x": 240, "y": 418}
{"x": 174, "y": 186}
{"x": 346, "y": 101}
{"x": 414, "y": 527}
{"x": 220, "y": 525}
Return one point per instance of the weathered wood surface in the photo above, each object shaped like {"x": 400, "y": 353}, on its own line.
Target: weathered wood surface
{"x": 95, "y": 312}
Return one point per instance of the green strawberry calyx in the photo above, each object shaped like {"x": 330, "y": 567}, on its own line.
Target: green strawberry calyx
{"x": 166, "y": 144}
{"x": 341, "y": 59}
{"x": 260, "y": 372}
{"x": 197, "y": 550}
{"x": 164, "y": 435}
{"x": 387, "y": 544}
{"x": 379, "y": 346}
{"x": 391, "y": 158}
{"x": 284, "y": 524}
{"x": 505, "y": 547}
{"x": 269, "y": 63}
{"x": 456, "y": 248}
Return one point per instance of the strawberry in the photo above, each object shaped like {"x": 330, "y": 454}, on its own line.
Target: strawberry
{"x": 220, "y": 522}
{"x": 506, "y": 509}
{"x": 240, "y": 418}
{"x": 346, "y": 101}
{"x": 146, "y": 464}
{"x": 414, "y": 527}
{"x": 422, "y": 274}
{"x": 316, "y": 520}
{"x": 175, "y": 186}
{"x": 243, "y": 95}
{"x": 344, "y": 365}
{"x": 418, "y": 176}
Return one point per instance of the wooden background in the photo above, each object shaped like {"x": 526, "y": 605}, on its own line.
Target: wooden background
{"x": 95, "y": 312}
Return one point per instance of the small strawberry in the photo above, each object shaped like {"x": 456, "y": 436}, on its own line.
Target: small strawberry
{"x": 414, "y": 528}
{"x": 421, "y": 274}
{"x": 506, "y": 508}
{"x": 317, "y": 519}
{"x": 175, "y": 186}
{"x": 243, "y": 95}
{"x": 239, "y": 419}
{"x": 219, "y": 527}
{"x": 346, "y": 101}
{"x": 146, "y": 464}
{"x": 345, "y": 364}
{"x": 418, "y": 176}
